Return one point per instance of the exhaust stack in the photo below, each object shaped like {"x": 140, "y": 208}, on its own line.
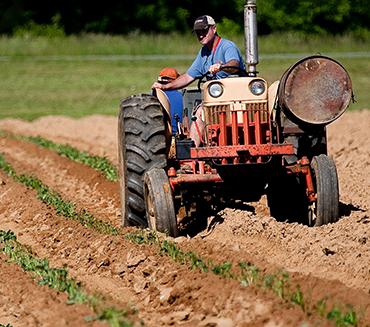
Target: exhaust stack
{"x": 250, "y": 35}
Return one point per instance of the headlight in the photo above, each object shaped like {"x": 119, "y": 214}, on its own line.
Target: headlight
{"x": 257, "y": 87}
{"x": 215, "y": 90}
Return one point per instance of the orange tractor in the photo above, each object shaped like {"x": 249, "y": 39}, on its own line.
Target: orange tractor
{"x": 258, "y": 140}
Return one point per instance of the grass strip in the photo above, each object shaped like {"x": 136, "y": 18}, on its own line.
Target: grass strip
{"x": 58, "y": 278}
{"x": 100, "y": 164}
{"x": 248, "y": 274}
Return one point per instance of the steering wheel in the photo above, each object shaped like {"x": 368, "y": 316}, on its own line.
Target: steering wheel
{"x": 202, "y": 78}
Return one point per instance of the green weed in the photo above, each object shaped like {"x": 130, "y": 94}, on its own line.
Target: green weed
{"x": 343, "y": 316}
{"x": 297, "y": 298}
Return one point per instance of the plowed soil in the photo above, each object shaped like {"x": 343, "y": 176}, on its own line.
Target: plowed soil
{"x": 332, "y": 260}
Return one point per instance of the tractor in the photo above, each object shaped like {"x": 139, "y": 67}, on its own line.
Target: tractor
{"x": 258, "y": 140}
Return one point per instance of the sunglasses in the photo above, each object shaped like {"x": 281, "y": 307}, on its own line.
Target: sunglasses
{"x": 203, "y": 31}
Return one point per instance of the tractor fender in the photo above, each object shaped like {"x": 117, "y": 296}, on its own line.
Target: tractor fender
{"x": 272, "y": 96}
{"x": 165, "y": 102}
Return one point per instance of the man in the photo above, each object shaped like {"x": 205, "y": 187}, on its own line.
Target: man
{"x": 214, "y": 53}
{"x": 166, "y": 76}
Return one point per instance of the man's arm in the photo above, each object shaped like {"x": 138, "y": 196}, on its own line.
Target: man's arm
{"x": 217, "y": 67}
{"x": 180, "y": 82}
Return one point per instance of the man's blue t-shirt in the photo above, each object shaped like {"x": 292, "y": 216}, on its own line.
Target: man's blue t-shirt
{"x": 225, "y": 51}
{"x": 175, "y": 98}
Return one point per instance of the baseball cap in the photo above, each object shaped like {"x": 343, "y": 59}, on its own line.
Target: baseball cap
{"x": 202, "y": 22}
{"x": 167, "y": 74}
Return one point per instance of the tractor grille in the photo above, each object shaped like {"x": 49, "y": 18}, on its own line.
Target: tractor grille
{"x": 239, "y": 133}
{"x": 237, "y": 123}
{"x": 211, "y": 114}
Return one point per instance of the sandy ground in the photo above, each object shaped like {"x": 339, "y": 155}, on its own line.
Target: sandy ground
{"x": 332, "y": 260}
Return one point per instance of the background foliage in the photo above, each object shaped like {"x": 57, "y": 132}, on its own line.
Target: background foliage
{"x": 165, "y": 16}
{"x": 76, "y": 58}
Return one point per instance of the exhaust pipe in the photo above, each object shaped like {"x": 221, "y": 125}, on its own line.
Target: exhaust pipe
{"x": 250, "y": 36}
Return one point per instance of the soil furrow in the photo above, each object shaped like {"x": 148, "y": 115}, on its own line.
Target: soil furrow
{"x": 163, "y": 290}
{"x": 332, "y": 259}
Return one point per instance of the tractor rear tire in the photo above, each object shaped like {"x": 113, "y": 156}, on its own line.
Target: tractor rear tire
{"x": 160, "y": 210}
{"x": 325, "y": 209}
{"x": 141, "y": 147}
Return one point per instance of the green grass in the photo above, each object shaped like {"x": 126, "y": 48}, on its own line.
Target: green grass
{"x": 30, "y": 89}
{"x": 141, "y": 44}
{"x": 34, "y": 84}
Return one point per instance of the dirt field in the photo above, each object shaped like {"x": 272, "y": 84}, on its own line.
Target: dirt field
{"x": 332, "y": 260}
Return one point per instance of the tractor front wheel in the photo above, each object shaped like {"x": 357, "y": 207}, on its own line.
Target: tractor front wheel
{"x": 160, "y": 210}
{"x": 325, "y": 209}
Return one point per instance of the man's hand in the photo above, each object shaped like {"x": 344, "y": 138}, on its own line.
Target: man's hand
{"x": 157, "y": 85}
{"x": 180, "y": 82}
{"x": 215, "y": 68}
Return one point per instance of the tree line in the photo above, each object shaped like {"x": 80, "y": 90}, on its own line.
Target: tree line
{"x": 165, "y": 16}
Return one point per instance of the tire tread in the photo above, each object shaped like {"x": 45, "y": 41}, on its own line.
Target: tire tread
{"x": 142, "y": 144}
